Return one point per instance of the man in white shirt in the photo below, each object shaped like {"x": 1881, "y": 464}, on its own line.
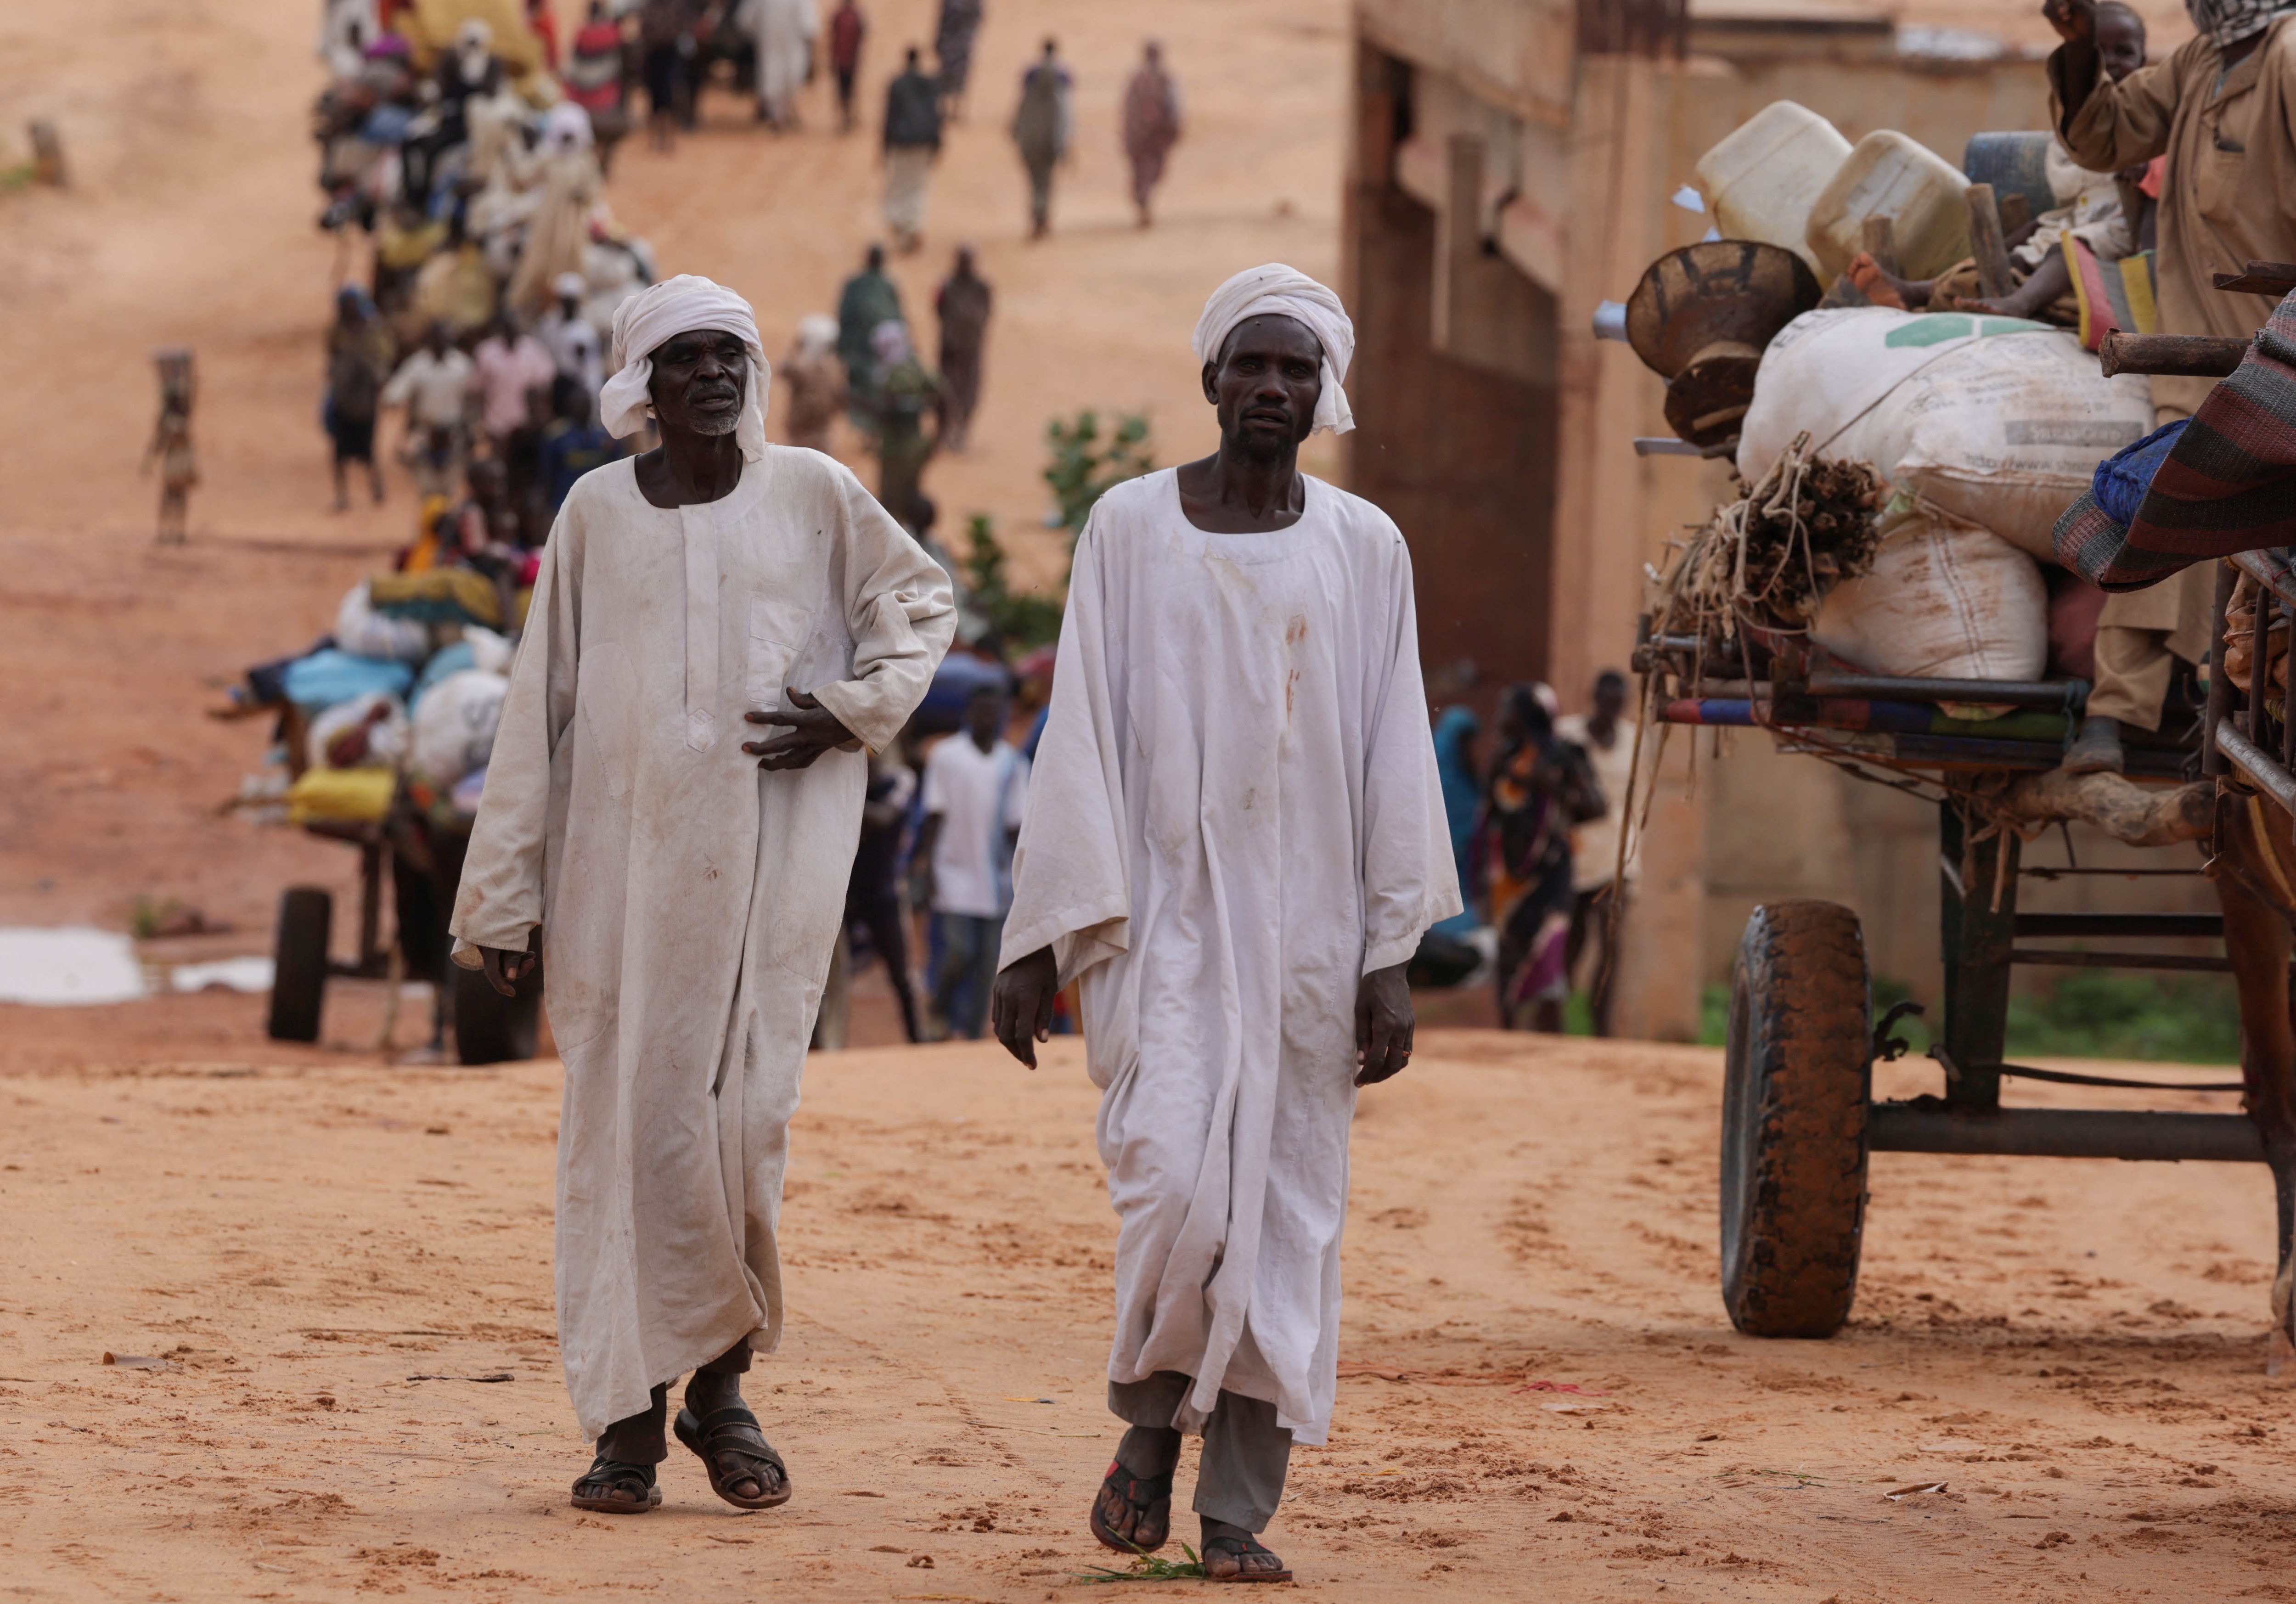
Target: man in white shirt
{"x": 572, "y": 342}
{"x": 976, "y": 786}
{"x": 1609, "y": 741}
{"x": 434, "y": 387}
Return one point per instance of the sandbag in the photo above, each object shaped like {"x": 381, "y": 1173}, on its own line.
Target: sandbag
{"x": 1995, "y": 419}
{"x": 1946, "y": 599}
{"x": 454, "y": 725}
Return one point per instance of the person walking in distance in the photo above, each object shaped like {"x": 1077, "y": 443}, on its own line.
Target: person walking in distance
{"x": 1151, "y": 125}
{"x": 913, "y": 129}
{"x": 694, "y": 882}
{"x": 962, "y": 304}
{"x": 1041, "y": 128}
{"x": 815, "y": 380}
{"x": 952, "y": 35}
{"x": 847, "y": 28}
{"x": 1235, "y": 841}
{"x": 976, "y": 793}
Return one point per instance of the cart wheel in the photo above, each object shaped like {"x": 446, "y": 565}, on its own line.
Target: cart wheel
{"x": 299, "y": 980}
{"x": 1797, "y": 1080}
{"x": 490, "y": 1028}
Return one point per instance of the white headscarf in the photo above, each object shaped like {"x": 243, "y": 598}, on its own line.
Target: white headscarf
{"x": 817, "y": 333}
{"x": 2229, "y": 21}
{"x": 1290, "y": 293}
{"x": 655, "y": 316}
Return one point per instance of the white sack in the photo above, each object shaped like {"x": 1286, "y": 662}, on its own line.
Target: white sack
{"x": 363, "y": 632}
{"x": 454, "y": 725}
{"x": 1996, "y": 420}
{"x": 1944, "y": 600}
{"x": 386, "y": 741}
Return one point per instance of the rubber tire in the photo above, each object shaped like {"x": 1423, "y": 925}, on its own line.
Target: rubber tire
{"x": 490, "y": 1028}
{"x": 1797, "y": 1078}
{"x": 299, "y": 961}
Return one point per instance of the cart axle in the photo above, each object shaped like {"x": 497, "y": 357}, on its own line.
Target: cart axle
{"x": 1926, "y": 1125}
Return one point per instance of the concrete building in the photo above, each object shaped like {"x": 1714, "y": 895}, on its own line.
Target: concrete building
{"x": 1515, "y": 163}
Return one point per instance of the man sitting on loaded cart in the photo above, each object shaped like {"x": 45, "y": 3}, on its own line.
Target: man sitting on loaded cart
{"x": 2220, "y": 108}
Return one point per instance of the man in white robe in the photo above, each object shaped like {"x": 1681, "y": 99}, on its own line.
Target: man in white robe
{"x": 685, "y": 886}
{"x": 783, "y": 32}
{"x": 1235, "y": 840}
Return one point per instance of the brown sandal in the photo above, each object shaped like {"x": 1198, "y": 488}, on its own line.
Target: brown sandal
{"x": 734, "y": 1430}
{"x": 1150, "y": 1500}
{"x": 612, "y": 1476}
{"x": 1239, "y": 1550}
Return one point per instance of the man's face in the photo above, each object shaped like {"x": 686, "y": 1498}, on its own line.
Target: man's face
{"x": 984, "y": 720}
{"x": 2119, "y": 44}
{"x": 489, "y": 484}
{"x": 698, "y": 380}
{"x": 1265, "y": 384}
{"x": 437, "y": 339}
{"x": 1609, "y": 698}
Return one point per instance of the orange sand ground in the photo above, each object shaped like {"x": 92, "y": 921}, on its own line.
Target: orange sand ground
{"x": 2072, "y": 1347}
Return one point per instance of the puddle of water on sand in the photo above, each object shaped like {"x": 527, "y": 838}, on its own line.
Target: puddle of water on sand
{"x": 80, "y": 967}
{"x": 73, "y": 965}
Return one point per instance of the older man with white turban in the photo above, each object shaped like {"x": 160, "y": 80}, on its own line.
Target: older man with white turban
{"x": 1235, "y": 840}
{"x": 684, "y": 886}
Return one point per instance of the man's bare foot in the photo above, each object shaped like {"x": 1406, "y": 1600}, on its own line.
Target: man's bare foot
{"x": 1883, "y": 289}
{"x": 1232, "y": 1554}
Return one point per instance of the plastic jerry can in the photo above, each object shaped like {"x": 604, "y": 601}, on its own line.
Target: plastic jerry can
{"x": 1889, "y": 175}
{"x": 1763, "y": 179}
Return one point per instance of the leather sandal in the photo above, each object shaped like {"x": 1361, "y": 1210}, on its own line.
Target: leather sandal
{"x": 1240, "y": 1553}
{"x": 1150, "y": 1500}
{"x": 606, "y": 1477}
{"x": 735, "y": 1430}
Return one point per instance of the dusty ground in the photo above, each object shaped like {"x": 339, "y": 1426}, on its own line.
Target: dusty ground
{"x": 2072, "y": 1347}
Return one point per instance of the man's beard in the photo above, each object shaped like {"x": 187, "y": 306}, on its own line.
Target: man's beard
{"x": 716, "y": 423}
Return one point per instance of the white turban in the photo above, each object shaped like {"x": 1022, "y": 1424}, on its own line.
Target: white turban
{"x": 1290, "y": 293}
{"x": 652, "y": 318}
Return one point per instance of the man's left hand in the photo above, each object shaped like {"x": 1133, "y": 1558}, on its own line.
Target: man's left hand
{"x": 1383, "y": 1025}
{"x": 812, "y": 730}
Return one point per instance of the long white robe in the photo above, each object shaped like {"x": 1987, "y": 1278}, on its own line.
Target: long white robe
{"x": 784, "y": 31}
{"x": 688, "y": 900}
{"x": 1233, "y": 815}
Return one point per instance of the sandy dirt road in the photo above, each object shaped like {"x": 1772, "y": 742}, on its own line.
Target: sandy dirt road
{"x": 2072, "y": 1347}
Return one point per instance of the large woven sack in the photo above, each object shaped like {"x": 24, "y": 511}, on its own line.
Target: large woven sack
{"x": 1946, "y": 599}
{"x": 1995, "y": 419}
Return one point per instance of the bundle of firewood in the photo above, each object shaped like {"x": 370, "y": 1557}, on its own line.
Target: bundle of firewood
{"x": 2239, "y": 640}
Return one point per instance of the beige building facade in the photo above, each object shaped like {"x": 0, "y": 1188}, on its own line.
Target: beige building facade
{"x": 1514, "y": 164}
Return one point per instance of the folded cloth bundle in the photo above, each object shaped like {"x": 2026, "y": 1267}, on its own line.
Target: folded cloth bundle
{"x": 2123, "y": 478}
{"x": 448, "y": 595}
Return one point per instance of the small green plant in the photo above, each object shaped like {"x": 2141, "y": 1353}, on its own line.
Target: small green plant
{"x": 148, "y": 915}
{"x": 1022, "y": 619}
{"x": 1084, "y": 469}
{"x": 1148, "y": 1567}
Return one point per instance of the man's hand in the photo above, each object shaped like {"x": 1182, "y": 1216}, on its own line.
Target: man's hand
{"x": 1383, "y": 1025}
{"x": 505, "y": 969}
{"x": 1020, "y": 1003}
{"x": 813, "y": 730}
{"x": 2075, "y": 21}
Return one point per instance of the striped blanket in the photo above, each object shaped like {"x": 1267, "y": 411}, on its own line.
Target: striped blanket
{"x": 2228, "y": 485}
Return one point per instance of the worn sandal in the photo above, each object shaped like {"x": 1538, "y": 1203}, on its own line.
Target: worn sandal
{"x": 1240, "y": 1551}
{"x": 1150, "y": 1500}
{"x": 609, "y": 1476}
{"x": 735, "y": 1430}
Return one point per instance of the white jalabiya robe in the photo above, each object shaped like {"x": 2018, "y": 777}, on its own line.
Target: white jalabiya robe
{"x": 688, "y": 900}
{"x": 1235, "y": 814}
{"x": 784, "y": 31}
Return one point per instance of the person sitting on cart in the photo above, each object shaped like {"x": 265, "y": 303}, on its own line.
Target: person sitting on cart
{"x": 2221, "y": 108}
{"x": 695, "y": 883}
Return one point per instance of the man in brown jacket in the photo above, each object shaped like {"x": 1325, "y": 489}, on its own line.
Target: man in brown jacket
{"x": 2220, "y": 108}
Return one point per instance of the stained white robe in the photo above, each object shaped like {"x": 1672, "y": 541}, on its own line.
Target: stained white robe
{"x": 688, "y": 900}
{"x": 1235, "y": 814}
